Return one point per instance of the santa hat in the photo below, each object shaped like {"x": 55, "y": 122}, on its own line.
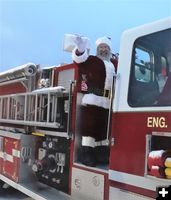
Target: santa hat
{"x": 104, "y": 40}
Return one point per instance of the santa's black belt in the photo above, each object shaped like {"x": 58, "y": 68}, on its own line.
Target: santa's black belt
{"x": 99, "y": 92}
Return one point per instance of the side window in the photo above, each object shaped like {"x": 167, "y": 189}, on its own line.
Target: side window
{"x": 164, "y": 80}
{"x": 143, "y": 88}
{"x": 163, "y": 73}
{"x": 150, "y": 77}
{"x": 143, "y": 65}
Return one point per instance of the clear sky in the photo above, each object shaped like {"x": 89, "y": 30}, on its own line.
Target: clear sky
{"x": 33, "y": 30}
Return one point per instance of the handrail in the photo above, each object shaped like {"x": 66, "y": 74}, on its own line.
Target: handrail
{"x": 112, "y": 94}
{"x": 13, "y": 81}
{"x": 70, "y": 109}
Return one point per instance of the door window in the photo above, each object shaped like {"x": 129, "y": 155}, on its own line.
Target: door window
{"x": 150, "y": 78}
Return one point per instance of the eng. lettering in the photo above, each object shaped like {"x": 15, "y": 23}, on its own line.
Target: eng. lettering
{"x": 157, "y": 122}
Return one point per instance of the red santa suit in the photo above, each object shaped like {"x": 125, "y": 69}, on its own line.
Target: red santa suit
{"x": 95, "y": 80}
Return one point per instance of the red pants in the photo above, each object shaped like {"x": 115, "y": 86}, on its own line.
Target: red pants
{"x": 94, "y": 122}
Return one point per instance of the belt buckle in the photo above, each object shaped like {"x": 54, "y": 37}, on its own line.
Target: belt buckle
{"x": 106, "y": 93}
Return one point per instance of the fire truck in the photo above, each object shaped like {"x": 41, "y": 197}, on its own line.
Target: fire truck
{"x": 40, "y": 125}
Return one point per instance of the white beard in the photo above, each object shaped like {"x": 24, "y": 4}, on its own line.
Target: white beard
{"x": 104, "y": 55}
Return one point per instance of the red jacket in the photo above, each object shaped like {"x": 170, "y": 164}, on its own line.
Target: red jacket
{"x": 93, "y": 72}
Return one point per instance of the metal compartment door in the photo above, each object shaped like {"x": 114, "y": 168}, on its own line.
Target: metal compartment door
{"x": 11, "y": 158}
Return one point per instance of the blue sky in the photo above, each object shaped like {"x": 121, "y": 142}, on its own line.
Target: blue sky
{"x": 33, "y": 30}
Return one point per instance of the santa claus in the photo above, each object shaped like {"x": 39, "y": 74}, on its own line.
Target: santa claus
{"x": 95, "y": 80}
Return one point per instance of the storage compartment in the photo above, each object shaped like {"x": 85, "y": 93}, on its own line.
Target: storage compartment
{"x": 158, "y": 155}
{"x": 87, "y": 185}
{"x": 52, "y": 162}
{"x": 17, "y": 149}
{"x": 11, "y": 158}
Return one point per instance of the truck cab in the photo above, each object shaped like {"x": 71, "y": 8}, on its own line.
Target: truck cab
{"x": 141, "y": 110}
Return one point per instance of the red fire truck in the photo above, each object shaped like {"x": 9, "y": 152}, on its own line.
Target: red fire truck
{"x": 40, "y": 117}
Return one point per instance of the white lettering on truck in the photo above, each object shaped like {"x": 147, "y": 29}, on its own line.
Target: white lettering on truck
{"x": 156, "y": 122}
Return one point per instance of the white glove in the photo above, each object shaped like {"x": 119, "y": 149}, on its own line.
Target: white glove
{"x": 81, "y": 43}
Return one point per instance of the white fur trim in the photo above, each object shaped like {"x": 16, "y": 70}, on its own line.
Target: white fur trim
{"x": 88, "y": 141}
{"x": 92, "y": 99}
{"x": 104, "y": 40}
{"x": 109, "y": 74}
{"x": 79, "y": 59}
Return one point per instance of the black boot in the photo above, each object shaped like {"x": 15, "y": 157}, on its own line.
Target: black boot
{"x": 88, "y": 156}
{"x": 102, "y": 154}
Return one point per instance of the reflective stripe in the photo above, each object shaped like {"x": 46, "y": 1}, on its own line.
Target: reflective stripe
{"x": 16, "y": 153}
{"x": 8, "y": 157}
{"x": 1, "y": 154}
